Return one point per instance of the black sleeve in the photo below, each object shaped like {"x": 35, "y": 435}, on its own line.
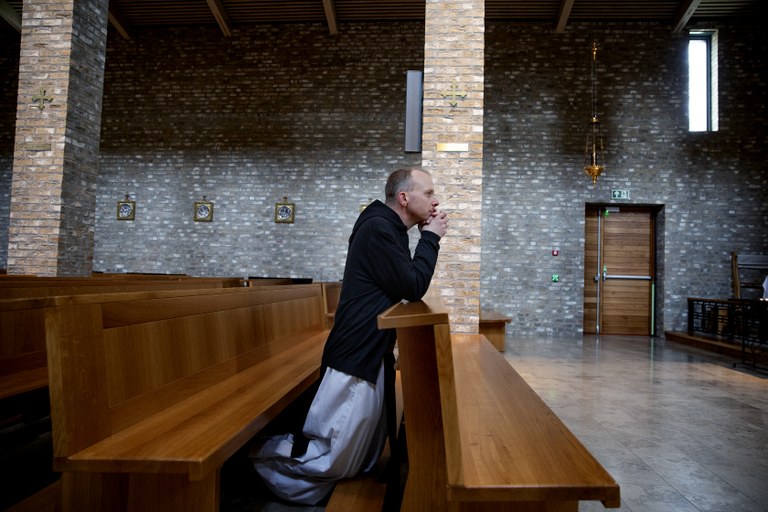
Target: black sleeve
{"x": 392, "y": 267}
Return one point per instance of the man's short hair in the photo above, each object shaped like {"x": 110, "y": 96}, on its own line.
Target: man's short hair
{"x": 399, "y": 181}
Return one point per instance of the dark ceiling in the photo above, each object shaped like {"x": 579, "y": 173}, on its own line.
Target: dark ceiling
{"x": 127, "y": 15}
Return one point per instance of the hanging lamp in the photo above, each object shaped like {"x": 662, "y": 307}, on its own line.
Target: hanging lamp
{"x": 594, "y": 157}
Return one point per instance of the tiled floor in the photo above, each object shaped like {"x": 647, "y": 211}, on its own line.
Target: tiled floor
{"x": 681, "y": 430}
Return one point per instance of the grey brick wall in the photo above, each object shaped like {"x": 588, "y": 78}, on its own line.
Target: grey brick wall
{"x": 272, "y": 112}
{"x": 291, "y": 111}
{"x": 711, "y": 185}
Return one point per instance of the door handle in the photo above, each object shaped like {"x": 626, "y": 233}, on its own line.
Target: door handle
{"x": 606, "y": 275}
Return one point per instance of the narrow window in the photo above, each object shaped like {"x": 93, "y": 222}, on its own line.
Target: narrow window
{"x": 702, "y": 82}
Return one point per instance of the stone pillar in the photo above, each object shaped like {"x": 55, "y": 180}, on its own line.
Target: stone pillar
{"x": 452, "y": 146}
{"x": 58, "y": 125}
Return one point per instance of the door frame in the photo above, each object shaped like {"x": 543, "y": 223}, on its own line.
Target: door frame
{"x": 657, "y": 213}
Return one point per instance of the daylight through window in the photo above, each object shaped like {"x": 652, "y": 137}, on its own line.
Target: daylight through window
{"x": 702, "y": 82}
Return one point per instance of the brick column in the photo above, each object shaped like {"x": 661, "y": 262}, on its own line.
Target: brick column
{"x": 58, "y": 125}
{"x": 452, "y": 145}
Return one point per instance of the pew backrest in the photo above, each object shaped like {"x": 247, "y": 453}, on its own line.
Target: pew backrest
{"x": 22, "y": 333}
{"x": 118, "y": 359}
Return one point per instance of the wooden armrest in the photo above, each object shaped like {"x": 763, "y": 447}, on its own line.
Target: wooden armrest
{"x": 428, "y": 311}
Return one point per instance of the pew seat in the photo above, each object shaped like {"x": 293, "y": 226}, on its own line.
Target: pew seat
{"x": 152, "y": 393}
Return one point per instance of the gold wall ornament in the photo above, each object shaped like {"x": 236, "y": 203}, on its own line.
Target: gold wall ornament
{"x": 455, "y": 94}
{"x": 41, "y": 97}
{"x": 594, "y": 151}
{"x": 126, "y": 209}
{"x": 285, "y": 212}
{"x": 203, "y": 211}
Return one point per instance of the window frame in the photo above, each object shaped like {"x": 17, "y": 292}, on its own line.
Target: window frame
{"x": 709, "y": 37}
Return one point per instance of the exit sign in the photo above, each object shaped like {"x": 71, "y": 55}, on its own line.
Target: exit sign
{"x": 619, "y": 194}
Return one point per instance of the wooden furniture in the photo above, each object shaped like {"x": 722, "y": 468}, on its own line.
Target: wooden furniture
{"x": 22, "y": 347}
{"x": 47, "y": 500}
{"x": 331, "y": 294}
{"x": 479, "y": 438}
{"x": 24, "y": 403}
{"x": 12, "y": 287}
{"x": 152, "y": 392}
{"x": 752, "y": 266}
{"x": 22, "y": 337}
{"x": 22, "y": 334}
{"x": 493, "y": 325}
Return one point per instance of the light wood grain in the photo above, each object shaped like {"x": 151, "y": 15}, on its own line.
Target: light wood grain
{"x": 493, "y": 325}
{"x": 23, "y": 299}
{"x": 512, "y": 446}
{"x": 479, "y": 438}
{"x": 166, "y": 384}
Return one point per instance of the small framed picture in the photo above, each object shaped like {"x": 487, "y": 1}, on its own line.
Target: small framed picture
{"x": 126, "y": 210}
{"x": 284, "y": 212}
{"x": 203, "y": 211}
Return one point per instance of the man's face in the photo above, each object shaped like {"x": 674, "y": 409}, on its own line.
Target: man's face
{"x": 422, "y": 202}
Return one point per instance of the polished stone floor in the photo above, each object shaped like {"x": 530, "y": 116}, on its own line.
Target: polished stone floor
{"x": 681, "y": 430}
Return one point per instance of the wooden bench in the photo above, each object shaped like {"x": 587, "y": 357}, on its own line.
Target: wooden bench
{"x": 331, "y": 294}
{"x": 12, "y": 287}
{"x": 493, "y": 325}
{"x": 22, "y": 339}
{"x": 152, "y": 392}
{"x": 23, "y": 365}
{"x": 478, "y": 437}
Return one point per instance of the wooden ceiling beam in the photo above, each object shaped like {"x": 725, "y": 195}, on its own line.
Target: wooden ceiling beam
{"x": 117, "y": 21}
{"x": 10, "y": 15}
{"x": 684, "y": 12}
{"x": 330, "y": 15}
{"x": 563, "y": 14}
{"x": 220, "y": 13}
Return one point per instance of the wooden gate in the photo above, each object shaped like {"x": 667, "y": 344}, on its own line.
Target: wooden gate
{"x": 618, "y": 270}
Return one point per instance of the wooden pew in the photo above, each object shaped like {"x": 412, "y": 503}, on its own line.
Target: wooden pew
{"x": 493, "y": 325}
{"x": 152, "y": 392}
{"x": 22, "y": 348}
{"x": 331, "y": 294}
{"x": 22, "y": 341}
{"x": 12, "y": 287}
{"x": 478, "y": 437}
{"x": 23, "y": 365}
{"x": 22, "y": 338}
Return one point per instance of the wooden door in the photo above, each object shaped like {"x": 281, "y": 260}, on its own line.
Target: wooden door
{"x": 618, "y": 270}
